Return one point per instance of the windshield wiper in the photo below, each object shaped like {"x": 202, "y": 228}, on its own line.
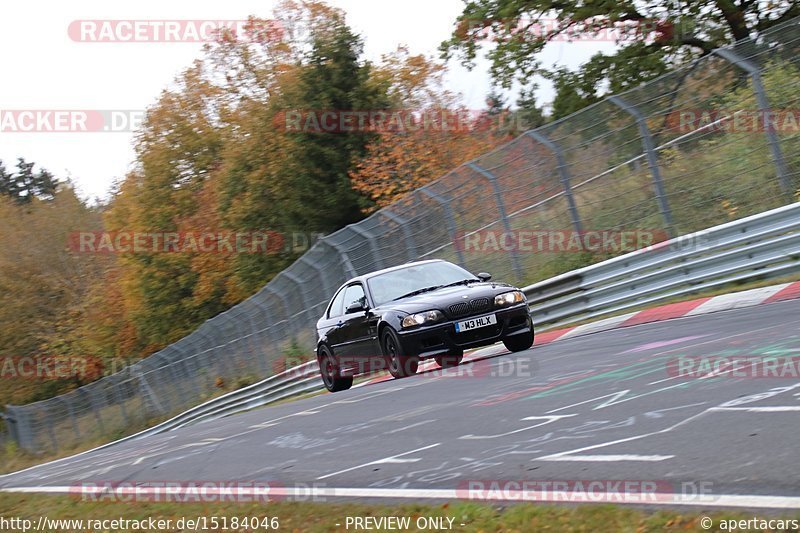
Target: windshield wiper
{"x": 419, "y": 291}
{"x": 436, "y": 287}
{"x": 461, "y": 282}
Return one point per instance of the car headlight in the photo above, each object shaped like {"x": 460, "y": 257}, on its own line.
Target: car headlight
{"x": 418, "y": 319}
{"x": 509, "y": 298}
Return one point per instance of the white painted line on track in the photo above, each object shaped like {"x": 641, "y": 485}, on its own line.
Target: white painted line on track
{"x": 765, "y": 409}
{"x": 761, "y": 501}
{"x": 545, "y": 420}
{"x": 390, "y": 459}
{"x": 608, "y": 458}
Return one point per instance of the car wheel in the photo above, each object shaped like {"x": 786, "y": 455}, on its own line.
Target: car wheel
{"x": 400, "y": 364}
{"x": 447, "y": 360}
{"x": 520, "y": 342}
{"x": 329, "y": 370}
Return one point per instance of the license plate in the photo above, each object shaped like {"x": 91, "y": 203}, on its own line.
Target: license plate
{"x": 475, "y": 323}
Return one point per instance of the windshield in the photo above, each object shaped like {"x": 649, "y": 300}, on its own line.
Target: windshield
{"x": 392, "y": 285}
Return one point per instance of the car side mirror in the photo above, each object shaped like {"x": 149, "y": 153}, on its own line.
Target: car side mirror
{"x": 484, "y": 276}
{"x": 355, "y": 307}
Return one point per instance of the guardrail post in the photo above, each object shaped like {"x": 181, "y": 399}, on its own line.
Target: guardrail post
{"x": 370, "y": 238}
{"x": 411, "y": 246}
{"x": 563, "y": 173}
{"x": 501, "y": 208}
{"x": 652, "y": 160}
{"x": 348, "y": 265}
{"x": 450, "y": 220}
{"x": 763, "y": 108}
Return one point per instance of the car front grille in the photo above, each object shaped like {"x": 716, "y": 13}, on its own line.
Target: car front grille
{"x": 478, "y": 305}
{"x": 459, "y": 309}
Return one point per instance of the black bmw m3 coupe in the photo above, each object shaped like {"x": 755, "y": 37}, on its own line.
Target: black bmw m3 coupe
{"x": 393, "y": 318}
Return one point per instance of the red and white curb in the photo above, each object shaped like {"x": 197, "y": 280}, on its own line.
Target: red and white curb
{"x": 699, "y": 306}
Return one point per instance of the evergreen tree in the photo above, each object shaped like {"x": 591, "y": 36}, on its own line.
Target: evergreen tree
{"x": 320, "y": 194}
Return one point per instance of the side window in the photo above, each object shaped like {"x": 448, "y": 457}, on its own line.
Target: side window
{"x": 336, "y": 305}
{"x": 353, "y": 294}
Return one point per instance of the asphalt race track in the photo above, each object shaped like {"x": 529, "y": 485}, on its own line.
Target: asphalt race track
{"x": 605, "y": 406}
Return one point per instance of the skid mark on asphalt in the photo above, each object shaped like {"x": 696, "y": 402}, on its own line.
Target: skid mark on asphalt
{"x": 662, "y": 344}
{"x": 404, "y": 428}
{"x": 739, "y": 401}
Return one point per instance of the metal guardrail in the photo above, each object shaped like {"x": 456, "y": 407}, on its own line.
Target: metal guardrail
{"x": 295, "y": 381}
{"x": 761, "y": 246}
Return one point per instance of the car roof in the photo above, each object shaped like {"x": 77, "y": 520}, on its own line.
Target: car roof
{"x": 364, "y": 277}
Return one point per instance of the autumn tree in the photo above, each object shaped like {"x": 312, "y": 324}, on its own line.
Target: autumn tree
{"x": 43, "y": 284}
{"x": 653, "y": 38}
{"x": 444, "y": 135}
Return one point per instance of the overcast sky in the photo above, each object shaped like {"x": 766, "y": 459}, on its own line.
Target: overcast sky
{"x": 47, "y": 70}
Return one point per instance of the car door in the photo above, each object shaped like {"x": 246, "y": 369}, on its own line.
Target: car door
{"x": 331, "y": 327}
{"x": 357, "y": 329}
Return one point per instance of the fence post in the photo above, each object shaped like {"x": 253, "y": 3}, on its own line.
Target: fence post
{"x": 95, "y": 410}
{"x": 449, "y": 220}
{"x": 370, "y": 238}
{"x": 254, "y": 338}
{"x": 501, "y": 208}
{"x": 322, "y": 275}
{"x": 267, "y": 329}
{"x": 148, "y": 393}
{"x": 563, "y": 173}
{"x": 282, "y": 297}
{"x": 297, "y": 281}
{"x": 72, "y": 419}
{"x": 51, "y": 424}
{"x": 652, "y": 159}
{"x": 411, "y": 246}
{"x": 11, "y": 427}
{"x": 348, "y": 265}
{"x": 219, "y": 362}
{"x": 121, "y": 402}
{"x": 763, "y": 107}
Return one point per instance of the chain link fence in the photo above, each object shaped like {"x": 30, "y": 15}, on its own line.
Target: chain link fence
{"x": 664, "y": 156}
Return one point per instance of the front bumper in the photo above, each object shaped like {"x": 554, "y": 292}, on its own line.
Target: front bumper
{"x": 436, "y": 339}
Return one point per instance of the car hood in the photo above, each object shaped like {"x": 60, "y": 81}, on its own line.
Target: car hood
{"x": 447, "y": 296}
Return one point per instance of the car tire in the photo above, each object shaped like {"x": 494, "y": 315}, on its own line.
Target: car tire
{"x": 447, "y": 360}
{"x": 329, "y": 370}
{"x": 519, "y": 342}
{"x": 400, "y": 364}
